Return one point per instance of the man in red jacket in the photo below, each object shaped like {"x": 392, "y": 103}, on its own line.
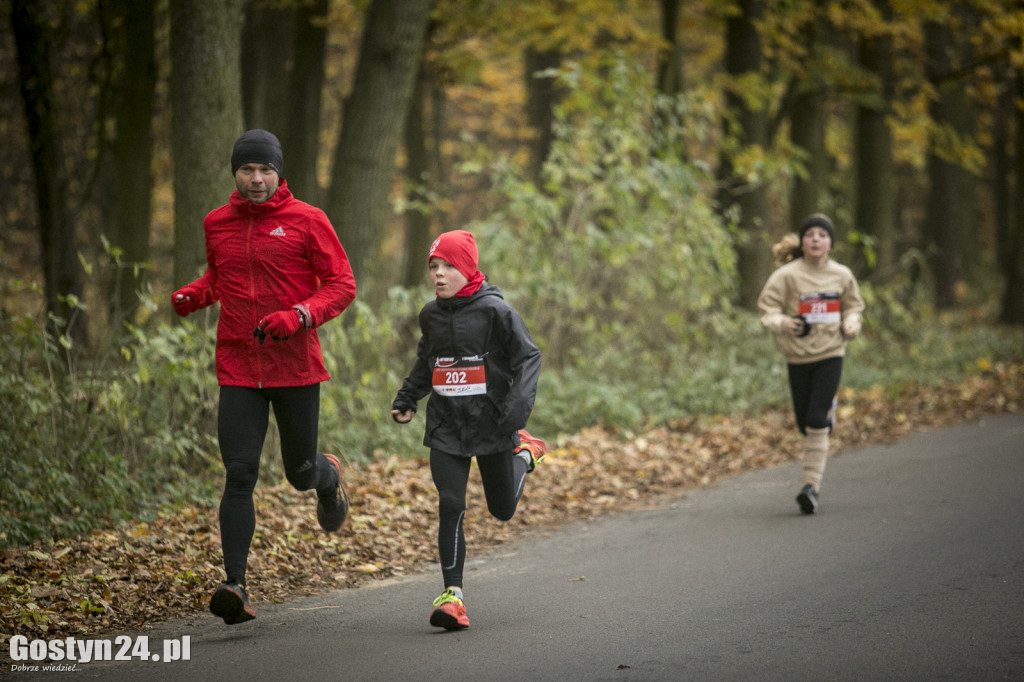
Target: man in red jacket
{"x": 275, "y": 265}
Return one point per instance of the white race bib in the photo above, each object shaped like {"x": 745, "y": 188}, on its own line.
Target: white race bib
{"x": 460, "y": 376}
{"x": 820, "y": 308}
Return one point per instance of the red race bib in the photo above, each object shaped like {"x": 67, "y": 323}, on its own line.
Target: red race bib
{"x": 460, "y": 376}
{"x": 820, "y": 308}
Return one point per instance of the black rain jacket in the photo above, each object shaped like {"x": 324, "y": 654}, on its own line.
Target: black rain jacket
{"x": 483, "y": 325}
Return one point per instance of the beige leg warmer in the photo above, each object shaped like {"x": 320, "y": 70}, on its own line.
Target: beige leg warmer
{"x": 815, "y": 455}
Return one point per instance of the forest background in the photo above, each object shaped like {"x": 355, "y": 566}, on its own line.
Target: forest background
{"x": 625, "y": 164}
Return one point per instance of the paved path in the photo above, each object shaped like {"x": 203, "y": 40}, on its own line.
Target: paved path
{"x": 912, "y": 570}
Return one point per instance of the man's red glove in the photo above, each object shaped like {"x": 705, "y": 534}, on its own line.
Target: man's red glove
{"x": 185, "y": 300}
{"x": 281, "y": 324}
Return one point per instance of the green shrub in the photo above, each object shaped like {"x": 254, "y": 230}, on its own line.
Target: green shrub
{"x": 621, "y": 239}
{"x": 89, "y": 439}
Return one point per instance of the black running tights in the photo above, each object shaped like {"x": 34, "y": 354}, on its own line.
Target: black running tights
{"x": 503, "y": 476}
{"x": 813, "y": 387}
{"x": 242, "y": 420}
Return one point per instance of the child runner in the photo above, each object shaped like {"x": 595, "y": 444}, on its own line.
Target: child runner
{"x": 812, "y": 307}
{"x": 480, "y": 366}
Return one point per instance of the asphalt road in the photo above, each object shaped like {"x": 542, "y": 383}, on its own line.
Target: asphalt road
{"x": 913, "y": 569}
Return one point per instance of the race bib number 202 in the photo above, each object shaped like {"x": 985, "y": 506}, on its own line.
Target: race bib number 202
{"x": 460, "y": 376}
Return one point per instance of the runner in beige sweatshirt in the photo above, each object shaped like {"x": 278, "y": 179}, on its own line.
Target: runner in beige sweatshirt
{"x": 812, "y": 307}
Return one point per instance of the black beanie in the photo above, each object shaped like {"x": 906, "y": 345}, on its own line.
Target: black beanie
{"x": 818, "y": 220}
{"x": 257, "y": 146}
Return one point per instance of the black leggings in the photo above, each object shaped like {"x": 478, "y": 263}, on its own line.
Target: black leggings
{"x": 813, "y": 386}
{"x": 503, "y": 476}
{"x": 242, "y": 420}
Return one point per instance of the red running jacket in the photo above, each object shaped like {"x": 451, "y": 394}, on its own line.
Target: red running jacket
{"x": 266, "y": 257}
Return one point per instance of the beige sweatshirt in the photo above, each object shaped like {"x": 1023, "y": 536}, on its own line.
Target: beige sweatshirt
{"x": 827, "y": 296}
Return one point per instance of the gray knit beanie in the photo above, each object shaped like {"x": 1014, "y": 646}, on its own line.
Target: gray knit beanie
{"x": 257, "y": 146}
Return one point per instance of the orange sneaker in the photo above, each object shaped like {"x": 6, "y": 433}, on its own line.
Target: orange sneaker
{"x": 534, "y": 446}
{"x": 449, "y": 612}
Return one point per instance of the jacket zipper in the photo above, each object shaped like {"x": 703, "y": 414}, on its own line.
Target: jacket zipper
{"x": 252, "y": 298}
{"x": 463, "y": 443}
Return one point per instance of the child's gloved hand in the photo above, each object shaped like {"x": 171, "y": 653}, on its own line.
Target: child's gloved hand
{"x": 402, "y": 417}
{"x": 280, "y": 325}
{"x": 403, "y": 413}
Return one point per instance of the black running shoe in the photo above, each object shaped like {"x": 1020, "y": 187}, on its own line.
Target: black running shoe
{"x": 231, "y": 603}
{"x": 808, "y": 499}
{"x": 331, "y": 511}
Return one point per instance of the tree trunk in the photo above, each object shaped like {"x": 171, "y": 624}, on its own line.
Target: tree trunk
{"x": 746, "y": 204}
{"x": 206, "y": 119}
{"x": 301, "y": 136}
{"x": 670, "y": 61}
{"x": 542, "y": 95}
{"x": 1011, "y": 242}
{"x": 945, "y": 211}
{"x": 364, "y": 164}
{"x": 132, "y": 186}
{"x": 807, "y": 131}
{"x": 807, "y": 128}
{"x": 62, "y": 272}
{"x": 875, "y": 203}
{"x": 267, "y": 52}
{"x": 417, "y": 170}
{"x": 439, "y": 132}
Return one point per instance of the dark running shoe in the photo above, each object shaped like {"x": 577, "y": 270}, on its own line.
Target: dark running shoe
{"x": 332, "y": 511}
{"x": 449, "y": 612}
{"x": 534, "y": 446}
{"x": 231, "y": 603}
{"x": 808, "y": 499}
